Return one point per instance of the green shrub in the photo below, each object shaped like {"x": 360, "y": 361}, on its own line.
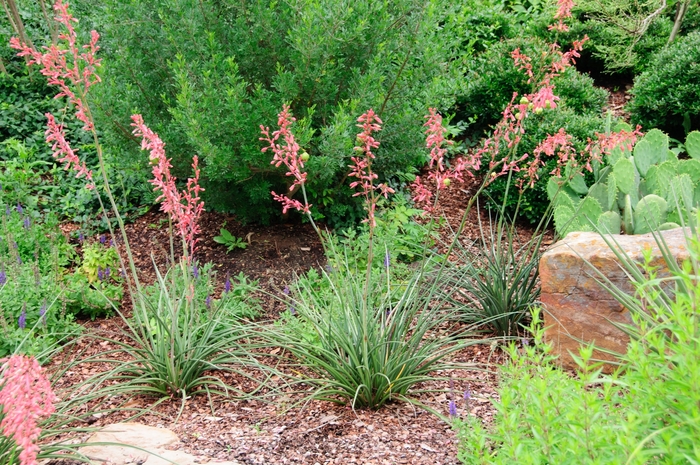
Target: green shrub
{"x": 230, "y": 66}
{"x": 646, "y": 413}
{"x": 493, "y": 78}
{"x": 532, "y": 205}
{"x": 667, "y": 95}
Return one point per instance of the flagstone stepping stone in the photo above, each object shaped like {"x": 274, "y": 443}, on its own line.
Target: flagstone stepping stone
{"x": 137, "y": 444}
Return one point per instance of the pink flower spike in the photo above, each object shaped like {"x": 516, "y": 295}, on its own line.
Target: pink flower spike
{"x": 56, "y": 137}
{"x": 362, "y": 168}
{"x": 287, "y": 155}
{"x": 26, "y": 397}
{"x": 184, "y": 209}
{"x": 65, "y": 66}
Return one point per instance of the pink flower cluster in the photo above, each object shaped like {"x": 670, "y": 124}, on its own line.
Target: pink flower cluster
{"x": 287, "y": 154}
{"x": 26, "y": 397}
{"x": 435, "y": 141}
{"x": 563, "y": 12}
{"x": 184, "y": 208}
{"x": 68, "y": 68}
{"x": 362, "y": 166}
{"x": 72, "y": 71}
{"x": 56, "y": 136}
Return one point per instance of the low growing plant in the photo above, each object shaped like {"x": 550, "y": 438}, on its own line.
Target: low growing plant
{"x": 646, "y": 412}
{"x": 230, "y": 241}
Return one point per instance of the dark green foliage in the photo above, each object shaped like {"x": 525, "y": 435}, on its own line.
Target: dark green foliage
{"x": 534, "y": 201}
{"x": 493, "y": 78}
{"x": 667, "y": 95}
{"x": 206, "y": 76}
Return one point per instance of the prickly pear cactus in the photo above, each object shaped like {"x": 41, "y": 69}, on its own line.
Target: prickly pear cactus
{"x": 648, "y": 188}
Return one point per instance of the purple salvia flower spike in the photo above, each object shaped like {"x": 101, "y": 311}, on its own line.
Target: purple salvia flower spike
{"x": 452, "y": 406}
{"x": 22, "y": 320}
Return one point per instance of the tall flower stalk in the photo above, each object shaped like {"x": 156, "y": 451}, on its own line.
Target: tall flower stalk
{"x": 73, "y": 69}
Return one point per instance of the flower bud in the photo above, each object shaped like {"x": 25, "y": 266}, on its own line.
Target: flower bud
{"x": 518, "y": 116}
{"x": 304, "y": 157}
{"x": 446, "y": 182}
{"x": 524, "y": 101}
{"x": 538, "y": 110}
{"x": 547, "y": 104}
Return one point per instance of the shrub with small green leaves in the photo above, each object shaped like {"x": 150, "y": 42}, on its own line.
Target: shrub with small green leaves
{"x": 667, "y": 95}
{"x": 230, "y": 66}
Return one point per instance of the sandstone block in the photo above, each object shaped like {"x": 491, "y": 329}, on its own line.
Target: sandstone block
{"x": 576, "y": 307}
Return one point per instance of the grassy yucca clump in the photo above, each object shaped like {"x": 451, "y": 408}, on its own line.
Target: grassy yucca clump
{"x": 370, "y": 341}
{"x": 645, "y": 413}
{"x": 361, "y": 338}
{"x": 176, "y": 341}
{"x": 494, "y": 281}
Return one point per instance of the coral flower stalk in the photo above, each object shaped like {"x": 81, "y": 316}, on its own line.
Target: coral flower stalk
{"x": 362, "y": 166}
{"x": 26, "y": 397}
{"x": 183, "y": 208}
{"x": 287, "y": 154}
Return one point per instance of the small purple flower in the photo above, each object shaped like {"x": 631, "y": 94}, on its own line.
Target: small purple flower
{"x": 111, "y": 242}
{"x": 292, "y": 310}
{"x": 227, "y": 284}
{"x": 452, "y": 406}
{"x": 467, "y": 395}
{"x": 81, "y": 237}
{"x": 122, "y": 271}
{"x": 27, "y": 222}
{"x": 3, "y": 277}
{"x": 19, "y": 260}
{"x": 22, "y": 320}
{"x": 387, "y": 260}
{"x": 329, "y": 268}
{"x": 525, "y": 342}
{"x": 14, "y": 244}
{"x": 42, "y": 313}
{"x": 207, "y": 301}
{"x": 285, "y": 291}
{"x": 20, "y": 210}
{"x": 195, "y": 271}
{"x": 100, "y": 275}
{"x": 106, "y": 273}
{"x": 103, "y": 239}
{"x": 8, "y": 212}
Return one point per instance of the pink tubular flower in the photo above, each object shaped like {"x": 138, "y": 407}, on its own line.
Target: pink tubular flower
{"x": 563, "y": 12}
{"x": 184, "y": 209}
{"x": 435, "y": 141}
{"x": 561, "y": 141}
{"x": 362, "y": 166}
{"x": 286, "y": 154}
{"x": 55, "y": 133}
{"x": 25, "y": 396}
{"x": 605, "y": 143}
{"x": 67, "y": 67}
